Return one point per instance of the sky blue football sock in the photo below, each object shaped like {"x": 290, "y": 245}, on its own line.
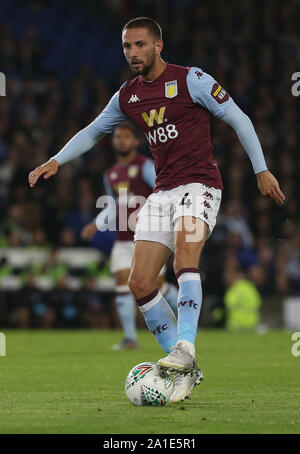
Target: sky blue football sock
{"x": 189, "y": 303}
{"x": 171, "y": 295}
{"x": 160, "y": 319}
{"x": 126, "y": 309}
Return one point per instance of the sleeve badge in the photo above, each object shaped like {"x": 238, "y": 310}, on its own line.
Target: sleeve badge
{"x": 219, "y": 93}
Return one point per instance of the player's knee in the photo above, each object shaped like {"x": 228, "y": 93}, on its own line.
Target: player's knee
{"x": 136, "y": 283}
{"x": 139, "y": 285}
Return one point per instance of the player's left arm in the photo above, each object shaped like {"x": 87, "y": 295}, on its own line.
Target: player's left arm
{"x": 205, "y": 91}
{"x": 107, "y": 216}
{"x": 105, "y": 219}
{"x": 241, "y": 123}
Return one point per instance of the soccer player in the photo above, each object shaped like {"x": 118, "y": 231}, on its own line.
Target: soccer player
{"x": 135, "y": 175}
{"x": 172, "y": 105}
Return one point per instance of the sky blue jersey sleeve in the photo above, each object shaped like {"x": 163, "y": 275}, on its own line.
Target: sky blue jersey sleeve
{"x": 85, "y": 139}
{"x": 108, "y": 213}
{"x": 108, "y": 189}
{"x": 148, "y": 172}
{"x": 206, "y": 91}
{"x": 243, "y": 126}
{"x": 110, "y": 116}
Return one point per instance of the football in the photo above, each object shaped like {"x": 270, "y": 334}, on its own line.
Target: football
{"x": 146, "y": 384}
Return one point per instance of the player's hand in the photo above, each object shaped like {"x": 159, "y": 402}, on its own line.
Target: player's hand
{"x": 48, "y": 169}
{"x": 88, "y": 231}
{"x": 268, "y": 185}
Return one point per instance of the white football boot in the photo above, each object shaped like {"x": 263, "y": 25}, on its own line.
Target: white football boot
{"x": 178, "y": 360}
{"x": 184, "y": 382}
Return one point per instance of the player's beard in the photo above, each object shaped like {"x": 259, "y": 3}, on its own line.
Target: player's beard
{"x": 146, "y": 68}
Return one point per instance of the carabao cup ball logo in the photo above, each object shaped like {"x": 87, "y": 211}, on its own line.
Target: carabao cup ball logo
{"x": 147, "y": 385}
{"x": 140, "y": 371}
{"x": 137, "y": 373}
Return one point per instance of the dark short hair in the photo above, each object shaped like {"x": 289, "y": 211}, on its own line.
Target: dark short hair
{"x": 145, "y": 22}
{"x": 130, "y": 126}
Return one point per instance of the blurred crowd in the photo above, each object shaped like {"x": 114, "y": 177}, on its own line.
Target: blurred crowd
{"x": 31, "y": 307}
{"x": 251, "y": 48}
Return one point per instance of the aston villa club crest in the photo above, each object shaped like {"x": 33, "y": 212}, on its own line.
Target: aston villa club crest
{"x": 133, "y": 171}
{"x": 171, "y": 89}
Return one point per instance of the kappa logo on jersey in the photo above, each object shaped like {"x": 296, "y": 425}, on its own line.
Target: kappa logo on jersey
{"x": 133, "y": 98}
{"x": 154, "y": 116}
{"x": 219, "y": 93}
{"x": 198, "y": 74}
{"x": 171, "y": 89}
{"x": 206, "y": 204}
{"x": 208, "y": 195}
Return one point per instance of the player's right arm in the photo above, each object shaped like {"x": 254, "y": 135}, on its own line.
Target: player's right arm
{"x": 105, "y": 218}
{"x": 83, "y": 141}
{"x": 89, "y": 231}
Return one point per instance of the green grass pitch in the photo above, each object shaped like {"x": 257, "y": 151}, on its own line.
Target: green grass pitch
{"x": 70, "y": 382}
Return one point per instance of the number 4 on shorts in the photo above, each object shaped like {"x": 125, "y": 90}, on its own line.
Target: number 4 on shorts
{"x": 186, "y": 201}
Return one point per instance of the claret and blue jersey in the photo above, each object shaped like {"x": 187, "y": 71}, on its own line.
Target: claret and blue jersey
{"x": 173, "y": 111}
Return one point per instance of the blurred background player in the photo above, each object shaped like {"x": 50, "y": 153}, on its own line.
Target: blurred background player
{"x": 136, "y": 174}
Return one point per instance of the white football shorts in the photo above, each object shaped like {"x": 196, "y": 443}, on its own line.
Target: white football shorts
{"x": 121, "y": 256}
{"x": 156, "y": 219}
